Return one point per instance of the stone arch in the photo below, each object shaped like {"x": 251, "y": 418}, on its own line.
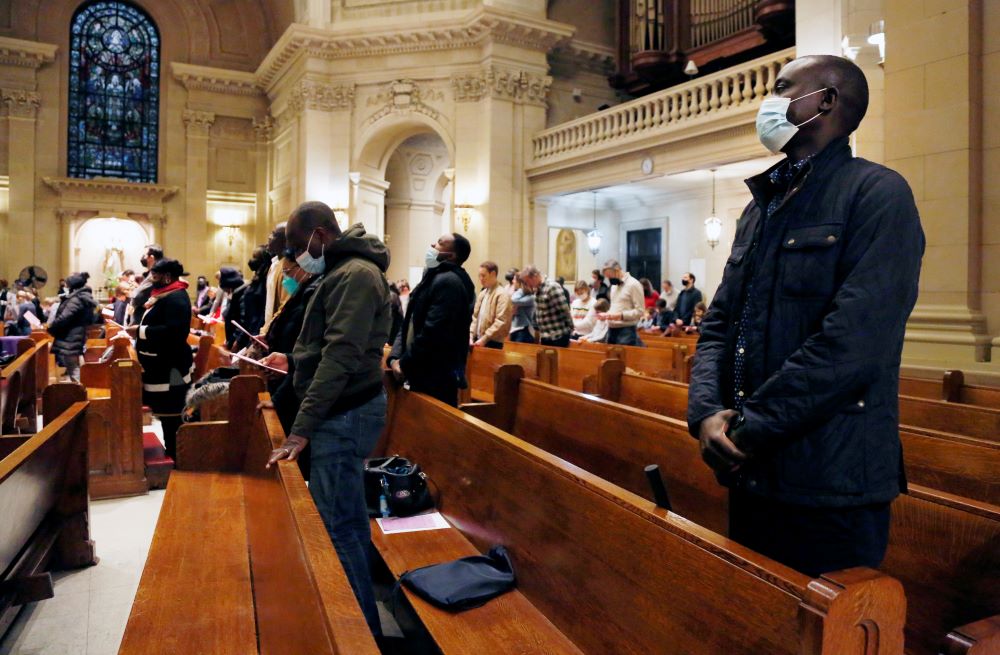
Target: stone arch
{"x": 384, "y": 136}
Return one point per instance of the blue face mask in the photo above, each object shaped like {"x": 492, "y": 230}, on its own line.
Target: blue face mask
{"x": 310, "y": 264}
{"x": 773, "y": 127}
{"x": 431, "y": 258}
{"x": 291, "y": 285}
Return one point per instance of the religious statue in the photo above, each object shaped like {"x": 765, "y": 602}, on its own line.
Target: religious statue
{"x": 566, "y": 254}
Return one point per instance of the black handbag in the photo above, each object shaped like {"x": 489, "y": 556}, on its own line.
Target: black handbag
{"x": 401, "y": 482}
{"x": 464, "y": 583}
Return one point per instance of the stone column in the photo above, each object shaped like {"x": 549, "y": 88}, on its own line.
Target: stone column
{"x": 22, "y": 109}
{"x": 263, "y": 221}
{"x": 369, "y": 204}
{"x": 933, "y": 129}
{"x": 324, "y": 138}
{"x": 194, "y": 251}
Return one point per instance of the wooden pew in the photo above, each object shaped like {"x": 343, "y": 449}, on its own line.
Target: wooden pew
{"x": 943, "y": 548}
{"x": 951, "y": 388}
{"x": 966, "y": 420}
{"x": 241, "y": 561}
{"x": 603, "y": 569}
{"x": 671, "y": 363}
{"x": 964, "y": 466}
{"x": 210, "y": 355}
{"x": 114, "y": 423}
{"x": 43, "y": 505}
{"x": 572, "y": 365}
{"x": 483, "y": 363}
{"x": 19, "y": 390}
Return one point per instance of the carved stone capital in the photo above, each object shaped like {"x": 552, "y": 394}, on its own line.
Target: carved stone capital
{"x": 198, "y": 123}
{"x": 404, "y": 96}
{"x": 26, "y": 54}
{"x": 519, "y": 86}
{"x": 263, "y": 128}
{"x": 319, "y": 96}
{"x": 20, "y": 103}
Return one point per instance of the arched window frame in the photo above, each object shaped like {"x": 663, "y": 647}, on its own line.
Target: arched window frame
{"x": 114, "y": 92}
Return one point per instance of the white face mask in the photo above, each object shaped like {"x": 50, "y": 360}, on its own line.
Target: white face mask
{"x": 310, "y": 264}
{"x": 773, "y": 128}
{"x": 431, "y": 258}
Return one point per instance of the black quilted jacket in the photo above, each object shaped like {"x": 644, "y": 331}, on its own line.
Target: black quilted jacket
{"x": 835, "y": 272}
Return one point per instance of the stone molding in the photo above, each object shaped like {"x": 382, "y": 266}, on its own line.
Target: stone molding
{"x": 582, "y": 55}
{"x": 26, "y": 54}
{"x": 404, "y": 96}
{"x": 107, "y": 188}
{"x": 519, "y": 86}
{"x": 20, "y": 103}
{"x": 483, "y": 25}
{"x": 215, "y": 80}
{"x": 198, "y": 123}
{"x": 320, "y": 96}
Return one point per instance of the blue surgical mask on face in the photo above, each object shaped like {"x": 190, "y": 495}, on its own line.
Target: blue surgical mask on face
{"x": 773, "y": 127}
{"x": 431, "y": 258}
{"x": 310, "y": 264}
{"x": 291, "y": 285}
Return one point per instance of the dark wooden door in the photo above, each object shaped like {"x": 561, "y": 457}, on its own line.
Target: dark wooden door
{"x": 644, "y": 254}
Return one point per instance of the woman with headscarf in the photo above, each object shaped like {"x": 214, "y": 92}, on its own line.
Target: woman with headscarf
{"x": 69, "y": 327}
{"x": 164, "y": 354}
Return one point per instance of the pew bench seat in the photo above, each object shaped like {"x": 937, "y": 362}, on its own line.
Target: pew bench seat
{"x": 508, "y": 623}
{"x": 97, "y": 393}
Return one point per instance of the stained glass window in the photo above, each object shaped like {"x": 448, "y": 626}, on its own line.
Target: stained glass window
{"x": 114, "y": 76}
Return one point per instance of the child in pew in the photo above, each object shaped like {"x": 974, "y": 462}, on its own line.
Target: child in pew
{"x": 648, "y": 319}
{"x": 600, "y": 332}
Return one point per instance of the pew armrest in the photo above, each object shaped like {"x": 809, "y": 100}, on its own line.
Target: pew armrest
{"x": 979, "y": 638}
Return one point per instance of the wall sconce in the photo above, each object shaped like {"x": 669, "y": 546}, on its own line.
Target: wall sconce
{"x": 230, "y": 231}
{"x": 713, "y": 226}
{"x": 876, "y": 36}
{"x": 464, "y": 214}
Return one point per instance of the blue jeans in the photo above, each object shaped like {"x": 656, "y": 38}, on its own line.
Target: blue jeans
{"x": 336, "y": 480}
{"x": 624, "y": 336}
{"x": 522, "y": 336}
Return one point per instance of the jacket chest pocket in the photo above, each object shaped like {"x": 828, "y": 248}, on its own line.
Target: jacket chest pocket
{"x": 809, "y": 261}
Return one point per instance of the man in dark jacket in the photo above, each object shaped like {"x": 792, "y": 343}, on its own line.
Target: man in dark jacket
{"x": 161, "y": 342}
{"x": 686, "y": 300}
{"x": 433, "y": 343}
{"x": 69, "y": 327}
{"x": 794, "y": 389}
{"x": 337, "y": 372}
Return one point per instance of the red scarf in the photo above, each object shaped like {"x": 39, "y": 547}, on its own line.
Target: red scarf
{"x": 173, "y": 286}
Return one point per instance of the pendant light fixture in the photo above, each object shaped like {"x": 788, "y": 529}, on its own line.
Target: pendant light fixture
{"x": 594, "y": 237}
{"x": 713, "y": 226}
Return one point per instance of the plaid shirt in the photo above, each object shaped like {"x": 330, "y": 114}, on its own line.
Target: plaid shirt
{"x": 552, "y": 313}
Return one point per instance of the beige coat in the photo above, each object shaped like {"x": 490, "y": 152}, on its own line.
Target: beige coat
{"x": 496, "y": 318}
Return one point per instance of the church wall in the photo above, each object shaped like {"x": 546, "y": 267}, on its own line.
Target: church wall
{"x": 990, "y": 175}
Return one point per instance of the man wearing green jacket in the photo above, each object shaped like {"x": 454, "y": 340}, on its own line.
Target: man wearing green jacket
{"x": 337, "y": 373}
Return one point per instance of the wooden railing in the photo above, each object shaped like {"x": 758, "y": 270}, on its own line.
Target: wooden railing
{"x": 705, "y": 97}
{"x": 714, "y": 20}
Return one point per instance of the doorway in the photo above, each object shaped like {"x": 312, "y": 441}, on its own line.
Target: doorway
{"x": 643, "y": 254}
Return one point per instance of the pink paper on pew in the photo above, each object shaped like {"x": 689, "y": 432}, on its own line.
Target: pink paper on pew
{"x": 429, "y": 521}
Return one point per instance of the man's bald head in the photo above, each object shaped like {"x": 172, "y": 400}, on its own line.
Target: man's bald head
{"x": 831, "y": 72}
{"x": 307, "y": 219}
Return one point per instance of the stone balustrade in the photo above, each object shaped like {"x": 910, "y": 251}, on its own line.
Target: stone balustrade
{"x": 738, "y": 88}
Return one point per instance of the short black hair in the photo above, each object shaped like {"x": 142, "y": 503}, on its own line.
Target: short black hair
{"x": 661, "y": 303}
{"x": 491, "y": 267}
{"x": 850, "y": 81}
{"x": 693, "y": 278}
{"x": 156, "y": 250}
{"x": 462, "y": 248}
{"x": 315, "y": 214}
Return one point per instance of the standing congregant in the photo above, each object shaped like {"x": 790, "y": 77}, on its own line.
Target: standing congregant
{"x": 794, "y": 389}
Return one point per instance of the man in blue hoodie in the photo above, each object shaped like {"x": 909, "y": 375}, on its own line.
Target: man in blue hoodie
{"x": 337, "y": 373}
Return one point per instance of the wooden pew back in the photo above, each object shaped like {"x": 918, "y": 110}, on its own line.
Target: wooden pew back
{"x": 18, "y": 391}
{"x": 483, "y": 364}
{"x": 958, "y": 586}
{"x": 43, "y": 502}
{"x": 566, "y": 366}
{"x": 951, "y": 388}
{"x": 96, "y": 374}
{"x": 966, "y": 420}
{"x": 964, "y": 466}
{"x": 617, "y": 576}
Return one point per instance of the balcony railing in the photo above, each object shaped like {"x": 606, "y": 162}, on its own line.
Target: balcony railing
{"x": 714, "y": 95}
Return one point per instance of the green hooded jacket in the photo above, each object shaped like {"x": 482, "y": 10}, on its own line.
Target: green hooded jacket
{"x": 338, "y": 355}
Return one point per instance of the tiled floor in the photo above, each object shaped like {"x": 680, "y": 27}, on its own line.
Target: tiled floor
{"x": 91, "y": 606}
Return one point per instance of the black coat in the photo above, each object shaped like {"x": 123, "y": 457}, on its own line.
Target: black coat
{"x": 440, "y": 311}
{"x": 834, "y": 273}
{"x": 162, "y": 341}
{"x": 686, "y": 300}
{"x": 69, "y": 327}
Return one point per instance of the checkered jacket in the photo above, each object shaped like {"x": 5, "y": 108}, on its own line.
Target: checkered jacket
{"x": 552, "y": 313}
